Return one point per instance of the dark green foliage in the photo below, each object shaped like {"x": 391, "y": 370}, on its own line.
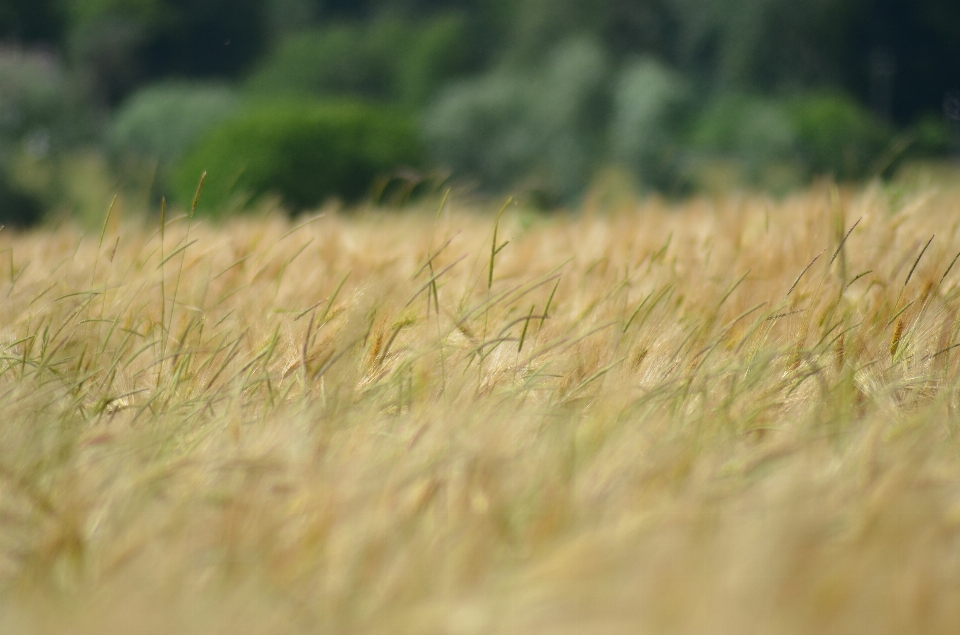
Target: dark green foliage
{"x": 120, "y": 44}
{"x": 836, "y": 136}
{"x": 441, "y": 49}
{"x": 518, "y": 94}
{"x": 303, "y": 152}
{"x": 389, "y": 60}
{"x": 286, "y": 16}
{"x": 17, "y": 208}
{"x": 31, "y": 20}
{"x": 208, "y": 38}
{"x": 932, "y": 136}
{"x": 339, "y": 60}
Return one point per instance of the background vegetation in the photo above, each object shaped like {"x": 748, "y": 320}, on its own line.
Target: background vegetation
{"x": 513, "y": 94}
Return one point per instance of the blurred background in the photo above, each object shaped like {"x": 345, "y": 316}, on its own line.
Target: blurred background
{"x": 302, "y": 100}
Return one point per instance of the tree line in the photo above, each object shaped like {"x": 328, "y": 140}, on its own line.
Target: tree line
{"x": 901, "y": 57}
{"x": 543, "y": 89}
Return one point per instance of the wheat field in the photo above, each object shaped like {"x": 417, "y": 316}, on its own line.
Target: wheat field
{"x": 728, "y": 415}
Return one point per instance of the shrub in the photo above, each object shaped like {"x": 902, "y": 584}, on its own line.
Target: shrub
{"x": 817, "y": 134}
{"x": 756, "y": 132}
{"x": 932, "y": 136}
{"x": 304, "y": 152}
{"x": 753, "y": 128}
{"x": 836, "y": 136}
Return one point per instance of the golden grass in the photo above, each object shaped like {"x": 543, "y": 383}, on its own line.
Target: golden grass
{"x": 332, "y": 426}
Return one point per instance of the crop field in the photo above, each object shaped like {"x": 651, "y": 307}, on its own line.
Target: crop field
{"x": 727, "y": 415}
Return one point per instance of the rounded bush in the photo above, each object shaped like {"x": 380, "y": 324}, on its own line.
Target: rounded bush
{"x": 817, "y": 134}
{"x": 301, "y": 152}
{"x": 932, "y": 136}
{"x": 836, "y": 136}
{"x": 753, "y": 128}
{"x": 751, "y": 134}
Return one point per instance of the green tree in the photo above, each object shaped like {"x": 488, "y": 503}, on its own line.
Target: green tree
{"x": 119, "y": 44}
{"x": 544, "y": 129}
{"x": 388, "y": 59}
{"x": 31, "y": 20}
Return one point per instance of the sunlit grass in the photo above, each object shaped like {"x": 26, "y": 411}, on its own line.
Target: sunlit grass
{"x": 733, "y": 415}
